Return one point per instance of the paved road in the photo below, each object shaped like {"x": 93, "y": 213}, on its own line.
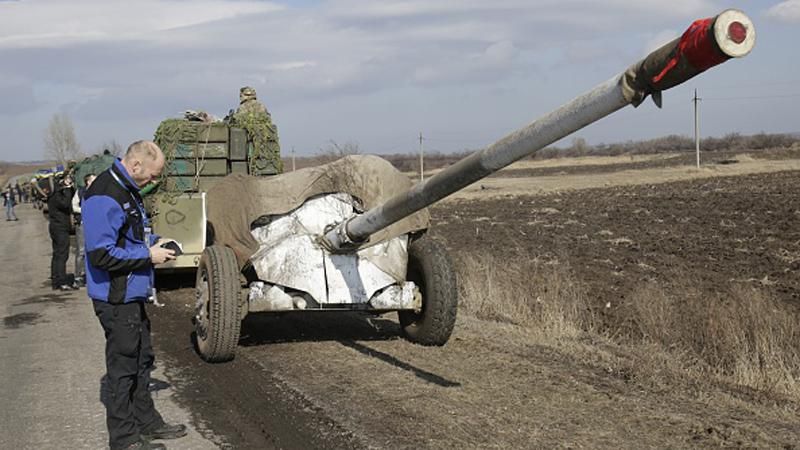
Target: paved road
{"x": 51, "y": 354}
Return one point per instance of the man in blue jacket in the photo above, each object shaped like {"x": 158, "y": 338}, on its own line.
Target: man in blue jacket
{"x": 120, "y": 254}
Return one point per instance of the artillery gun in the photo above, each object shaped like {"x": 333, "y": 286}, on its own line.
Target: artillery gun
{"x": 350, "y": 236}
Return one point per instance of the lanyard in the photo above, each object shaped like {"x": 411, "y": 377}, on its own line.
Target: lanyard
{"x": 136, "y": 201}
{"x": 148, "y": 231}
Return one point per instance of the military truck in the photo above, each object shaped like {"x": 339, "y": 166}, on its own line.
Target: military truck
{"x": 198, "y": 155}
{"x": 94, "y": 164}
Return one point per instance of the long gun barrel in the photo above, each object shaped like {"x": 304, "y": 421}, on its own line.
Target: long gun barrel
{"x": 706, "y": 43}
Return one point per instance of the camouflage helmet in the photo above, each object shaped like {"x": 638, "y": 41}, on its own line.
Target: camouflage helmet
{"x": 246, "y": 93}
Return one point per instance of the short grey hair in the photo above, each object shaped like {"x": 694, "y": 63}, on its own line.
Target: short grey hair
{"x": 142, "y": 148}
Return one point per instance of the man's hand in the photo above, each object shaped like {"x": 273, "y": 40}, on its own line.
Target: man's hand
{"x": 160, "y": 255}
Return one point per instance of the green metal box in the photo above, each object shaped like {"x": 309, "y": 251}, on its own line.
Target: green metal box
{"x": 188, "y": 167}
{"x": 215, "y": 132}
{"x": 238, "y": 144}
{"x": 201, "y": 150}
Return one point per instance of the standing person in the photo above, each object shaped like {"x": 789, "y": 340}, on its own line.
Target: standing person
{"x": 121, "y": 253}
{"x": 254, "y": 117}
{"x": 80, "y": 253}
{"x": 9, "y": 202}
{"x": 59, "y": 211}
{"x": 35, "y": 193}
{"x": 29, "y": 190}
{"x": 20, "y": 195}
{"x": 44, "y": 187}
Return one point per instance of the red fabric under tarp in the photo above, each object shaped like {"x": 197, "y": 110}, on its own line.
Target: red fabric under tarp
{"x": 698, "y": 47}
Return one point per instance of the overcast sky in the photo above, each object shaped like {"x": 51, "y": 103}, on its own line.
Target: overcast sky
{"x": 377, "y": 73}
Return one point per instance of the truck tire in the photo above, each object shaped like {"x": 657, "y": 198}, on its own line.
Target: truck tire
{"x": 217, "y": 319}
{"x": 431, "y": 269}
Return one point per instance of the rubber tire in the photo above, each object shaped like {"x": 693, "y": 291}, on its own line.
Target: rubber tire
{"x": 431, "y": 269}
{"x": 224, "y": 320}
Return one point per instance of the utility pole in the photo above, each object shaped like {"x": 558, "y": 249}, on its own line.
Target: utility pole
{"x": 293, "y": 166}
{"x": 421, "y": 158}
{"x": 696, "y": 101}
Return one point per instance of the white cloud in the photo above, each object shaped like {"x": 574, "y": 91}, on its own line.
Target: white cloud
{"x": 499, "y": 53}
{"x": 667, "y": 8}
{"x": 58, "y": 23}
{"x": 110, "y": 59}
{"x": 292, "y": 65}
{"x": 786, "y": 11}
{"x": 417, "y": 8}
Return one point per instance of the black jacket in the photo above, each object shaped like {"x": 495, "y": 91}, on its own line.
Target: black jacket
{"x": 59, "y": 207}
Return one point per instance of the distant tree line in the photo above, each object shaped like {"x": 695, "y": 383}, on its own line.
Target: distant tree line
{"x": 672, "y": 144}
{"x": 409, "y": 162}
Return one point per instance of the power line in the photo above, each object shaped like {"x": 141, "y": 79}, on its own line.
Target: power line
{"x": 460, "y": 140}
{"x": 755, "y": 97}
{"x": 696, "y": 101}
{"x": 749, "y": 85}
{"x": 473, "y": 129}
{"x": 421, "y": 158}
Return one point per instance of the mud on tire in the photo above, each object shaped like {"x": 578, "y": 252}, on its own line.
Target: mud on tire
{"x": 217, "y": 320}
{"x": 430, "y": 268}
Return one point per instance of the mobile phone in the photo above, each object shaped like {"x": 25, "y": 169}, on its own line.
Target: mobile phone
{"x": 172, "y": 245}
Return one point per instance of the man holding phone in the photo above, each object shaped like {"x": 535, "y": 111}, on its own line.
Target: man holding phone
{"x": 120, "y": 253}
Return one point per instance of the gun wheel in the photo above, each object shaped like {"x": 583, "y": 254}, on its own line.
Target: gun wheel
{"x": 431, "y": 269}
{"x": 217, "y": 318}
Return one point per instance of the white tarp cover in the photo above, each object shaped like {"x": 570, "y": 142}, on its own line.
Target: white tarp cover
{"x": 289, "y": 255}
{"x": 235, "y": 202}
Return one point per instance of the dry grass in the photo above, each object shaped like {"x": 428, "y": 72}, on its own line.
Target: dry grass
{"x": 542, "y": 297}
{"x": 742, "y": 336}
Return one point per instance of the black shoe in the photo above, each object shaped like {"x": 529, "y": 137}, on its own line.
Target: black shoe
{"x": 67, "y": 287}
{"x": 165, "y": 431}
{"x": 145, "y": 445}
{"x": 157, "y": 385}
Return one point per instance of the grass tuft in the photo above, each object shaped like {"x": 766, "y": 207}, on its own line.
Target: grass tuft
{"x": 743, "y": 335}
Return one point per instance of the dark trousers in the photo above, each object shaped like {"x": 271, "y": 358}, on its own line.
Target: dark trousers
{"x": 58, "y": 264}
{"x": 129, "y": 360}
{"x": 80, "y": 255}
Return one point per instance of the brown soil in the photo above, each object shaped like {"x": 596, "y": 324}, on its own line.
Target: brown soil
{"x": 9, "y": 170}
{"x": 348, "y": 380}
{"x": 716, "y": 231}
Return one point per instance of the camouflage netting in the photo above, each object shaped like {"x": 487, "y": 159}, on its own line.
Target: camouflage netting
{"x": 169, "y": 134}
{"x": 238, "y": 201}
{"x": 265, "y": 158}
{"x": 94, "y": 164}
